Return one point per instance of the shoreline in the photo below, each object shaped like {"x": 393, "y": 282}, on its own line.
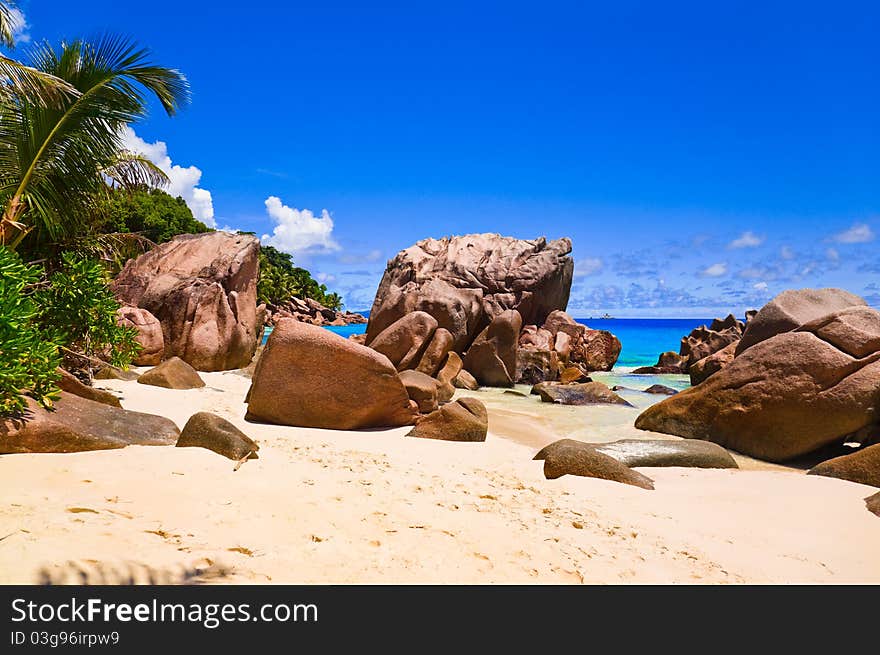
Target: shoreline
{"x": 323, "y": 506}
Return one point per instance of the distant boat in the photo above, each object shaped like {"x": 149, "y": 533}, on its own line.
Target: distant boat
{"x": 606, "y": 316}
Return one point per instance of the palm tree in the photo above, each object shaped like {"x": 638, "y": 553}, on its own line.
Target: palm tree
{"x": 16, "y": 78}
{"x": 54, "y": 158}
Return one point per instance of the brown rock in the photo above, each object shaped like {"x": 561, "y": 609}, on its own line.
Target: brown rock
{"x": 672, "y": 360}
{"x": 149, "y": 337}
{"x": 203, "y": 290}
{"x": 491, "y": 359}
{"x": 536, "y": 338}
{"x": 661, "y": 389}
{"x": 570, "y": 457}
{"x": 873, "y": 504}
{"x": 783, "y": 397}
{"x": 435, "y": 353}
{"x": 173, "y": 373}
{"x": 466, "y": 281}
{"x": 862, "y": 466}
{"x": 206, "y": 430}
{"x": 702, "y": 342}
{"x": 447, "y": 375}
{"x": 599, "y": 351}
{"x": 702, "y": 369}
{"x": 77, "y": 424}
{"x": 573, "y": 374}
{"x": 692, "y": 453}
{"x": 310, "y": 377}
{"x": 589, "y": 393}
{"x": 792, "y": 309}
{"x": 358, "y": 338}
{"x": 113, "y": 373}
{"x": 464, "y": 420}
{"x": 405, "y": 340}
{"x": 534, "y": 366}
{"x": 465, "y": 380}
{"x": 562, "y": 346}
{"x": 69, "y": 383}
{"x": 421, "y": 388}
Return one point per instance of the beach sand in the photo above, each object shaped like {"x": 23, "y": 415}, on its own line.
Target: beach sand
{"x": 322, "y": 506}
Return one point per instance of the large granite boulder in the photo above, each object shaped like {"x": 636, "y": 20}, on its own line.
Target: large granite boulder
{"x": 704, "y": 341}
{"x": 692, "y": 453}
{"x": 310, "y": 377}
{"x": 436, "y": 352}
{"x": 590, "y": 350}
{"x": 792, "y": 309}
{"x": 69, "y": 383}
{"x": 422, "y": 389}
{"x": 491, "y": 359}
{"x": 203, "y": 290}
{"x": 149, "y": 334}
{"x": 570, "y": 457}
{"x": 787, "y": 395}
{"x": 173, "y": 373}
{"x": 464, "y": 420}
{"x": 703, "y": 368}
{"x": 588, "y": 393}
{"x": 206, "y": 430}
{"x": 534, "y": 366}
{"x": 76, "y": 424}
{"x": 862, "y": 466}
{"x": 404, "y": 341}
{"x": 466, "y": 281}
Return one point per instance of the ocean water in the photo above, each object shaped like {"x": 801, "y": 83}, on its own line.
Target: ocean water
{"x": 642, "y": 339}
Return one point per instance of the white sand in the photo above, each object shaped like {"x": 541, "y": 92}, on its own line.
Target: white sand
{"x": 374, "y": 507}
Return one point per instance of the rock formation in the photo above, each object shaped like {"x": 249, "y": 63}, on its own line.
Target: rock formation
{"x": 206, "y": 430}
{"x": 150, "y": 337}
{"x": 202, "y": 289}
{"x": 77, "y": 424}
{"x": 311, "y": 311}
{"x": 309, "y": 377}
{"x": 786, "y": 395}
{"x": 570, "y": 457}
{"x": 466, "y": 281}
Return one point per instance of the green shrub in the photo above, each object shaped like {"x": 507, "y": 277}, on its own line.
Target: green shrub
{"x": 78, "y": 310}
{"x": 28, "y": 359}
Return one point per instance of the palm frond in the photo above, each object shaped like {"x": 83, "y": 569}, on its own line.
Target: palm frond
{"x": 8, "y": 24}
{"x": 18, "y": 79}
{"x": 52, "y": 157}
{"x": 132, "y": 170}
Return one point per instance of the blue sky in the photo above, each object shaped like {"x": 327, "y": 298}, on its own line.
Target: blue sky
{"x": 701, "y": 156}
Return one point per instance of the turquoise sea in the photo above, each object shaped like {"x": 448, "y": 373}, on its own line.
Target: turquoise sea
{"x": 642, "y": 338}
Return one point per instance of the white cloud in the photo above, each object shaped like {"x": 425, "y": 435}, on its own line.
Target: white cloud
{"x": 760, "y": 286}
{"x": 184, "y": 181}
{"x": 299, "y": 231}
{"x": 786, "y": 252}
{"x": 858, "y": 233}
{"x": 19, "y": 26}
{"x": 746, "y": 240}
{"x": 325, "y": 278}
{"x": 588, "y": 266}
{"x": 832, "y": 254}
{"x": 715, "y": 270}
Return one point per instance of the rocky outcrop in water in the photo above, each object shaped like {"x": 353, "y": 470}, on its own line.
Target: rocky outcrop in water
{"x": 311, "y": 311}
{"x": 203, "y": 290}
{"x": 791, "y": 393}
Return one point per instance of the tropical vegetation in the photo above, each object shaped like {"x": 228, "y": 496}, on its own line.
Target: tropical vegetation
{"x": 75, "y": 204}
